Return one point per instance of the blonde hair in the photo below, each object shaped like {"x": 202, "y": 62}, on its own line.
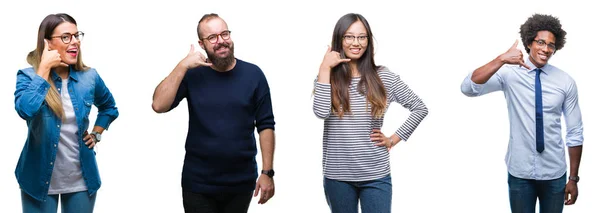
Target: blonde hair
{"x": 34, "y": 58}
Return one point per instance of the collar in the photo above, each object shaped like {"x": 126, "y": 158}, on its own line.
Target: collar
{"x": 544, "y": 68}
{"x": 72, "y": 74}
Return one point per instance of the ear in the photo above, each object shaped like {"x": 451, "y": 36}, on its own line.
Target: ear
{"x": 49, "y": 43}
{"x": 201, "y": 44}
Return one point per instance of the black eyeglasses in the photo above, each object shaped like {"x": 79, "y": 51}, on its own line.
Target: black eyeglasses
{"x": 349, "y": 39}
{"x": 215, "y": 37}
{"x": 66, "y": 37}
{"x": 543, "y": 44}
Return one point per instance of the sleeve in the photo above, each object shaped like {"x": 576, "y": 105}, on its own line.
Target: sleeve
{"x": 322, "y": 100}
{"x": 104, "y": 101}
{"x": 264, "y": 118}
{"x": 30, "y": 94}
{"x": 409, "y": 100}
{"x": 182, "y": 92}
{"x": 572, "y": 116}
{"x": 472, "y": 89}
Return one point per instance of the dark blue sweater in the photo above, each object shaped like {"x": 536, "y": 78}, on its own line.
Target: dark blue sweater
{"x": 224, "y": 109}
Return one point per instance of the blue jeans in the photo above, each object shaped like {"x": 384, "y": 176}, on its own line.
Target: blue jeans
{"x": 524, "y": 193}
{"x": 374, "y": 195}
{"x": 76, "y": 202}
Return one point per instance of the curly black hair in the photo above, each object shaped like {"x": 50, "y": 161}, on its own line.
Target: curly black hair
{"x": 540, "y": 22}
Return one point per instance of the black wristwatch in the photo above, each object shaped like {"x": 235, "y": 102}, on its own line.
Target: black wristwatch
{"x": 269, "y": 172}
{"x": 574, "y": 178}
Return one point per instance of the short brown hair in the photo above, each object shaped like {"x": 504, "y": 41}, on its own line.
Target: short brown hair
{"x": 205, "y": 17}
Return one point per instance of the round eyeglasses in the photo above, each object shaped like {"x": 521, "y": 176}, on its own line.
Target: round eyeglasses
{"x": 215, "y": 37}
{"x": 349, "y": 39}
{"x": 67, "y": 37}
{"x": 542, "y": 44}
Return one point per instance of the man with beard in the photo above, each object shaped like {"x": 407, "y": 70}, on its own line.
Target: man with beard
{"x": 537, "y": 95}
{"x": 227, "y": 99}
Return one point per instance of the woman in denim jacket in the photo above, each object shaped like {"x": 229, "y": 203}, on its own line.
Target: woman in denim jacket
{"x": 55, "y": 97}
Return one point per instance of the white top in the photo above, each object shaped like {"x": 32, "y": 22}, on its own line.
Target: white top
{"x": 66, "y": 174}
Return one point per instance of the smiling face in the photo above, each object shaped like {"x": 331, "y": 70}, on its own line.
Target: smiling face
{"x": 219, "y": 52}
{"x": 68, "y": 51}
{"x": 542, "y": 48}
{"x": 355, "y": 41}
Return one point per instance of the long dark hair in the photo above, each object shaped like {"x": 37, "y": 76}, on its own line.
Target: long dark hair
{"x": 369, "y": 85}
{"x": 34, "y": 57}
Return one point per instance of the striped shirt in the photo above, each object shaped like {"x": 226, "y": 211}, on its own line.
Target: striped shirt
{"x": 348, "y": 152}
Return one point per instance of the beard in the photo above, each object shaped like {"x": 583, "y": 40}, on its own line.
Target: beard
{"x": 221, "y": 63}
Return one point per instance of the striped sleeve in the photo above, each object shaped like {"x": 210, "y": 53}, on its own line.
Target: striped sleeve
{"x": 322, "y": 100}
{"x": 403, "y": 95}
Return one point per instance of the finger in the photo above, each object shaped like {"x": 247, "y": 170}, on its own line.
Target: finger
{"x": 328, "y": 49}
{"x": 256, "y": 189}
{"x": 376, "y": 138}
{"x": 344, "y": 60}
{"x": 204, "y": 61}
{"x": 382, "y": 143}
{"x": 572, "y": 199}
{"x": 377, "y": 133}
{"x": 515, "y": 44}
{"x": 267, "y": 198}
{"x": 46, "y": 48}
{"x": 192, "y": 48}
{"x": 265, "y": 194}
{"x": 89, "y": 141}
{"x": 63, "y": 64}
{"x": 569, "y": 201}
{"x": 522, "y": 63}
{"x": 263, "y": 197}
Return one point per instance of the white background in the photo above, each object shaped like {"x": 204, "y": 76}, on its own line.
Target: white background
{"x": 454, "y": 162}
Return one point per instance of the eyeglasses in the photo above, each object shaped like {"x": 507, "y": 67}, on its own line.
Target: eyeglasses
{"x": 349, "y": 39}
{"x": 543, "y": 44}
{"x": 66, "y": 37}
{"x": 215, "y": 37}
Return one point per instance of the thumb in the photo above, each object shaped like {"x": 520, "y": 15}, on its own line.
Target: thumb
{"x": 515, "y": 44}
{"x": 46, "y": 48}
{"x": 191, "y": 48}
{"x": 256, "y": 189}
{"x": 328, "y": 49}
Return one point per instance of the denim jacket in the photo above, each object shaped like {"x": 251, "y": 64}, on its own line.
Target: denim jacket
{"x": 36, "y": 162}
